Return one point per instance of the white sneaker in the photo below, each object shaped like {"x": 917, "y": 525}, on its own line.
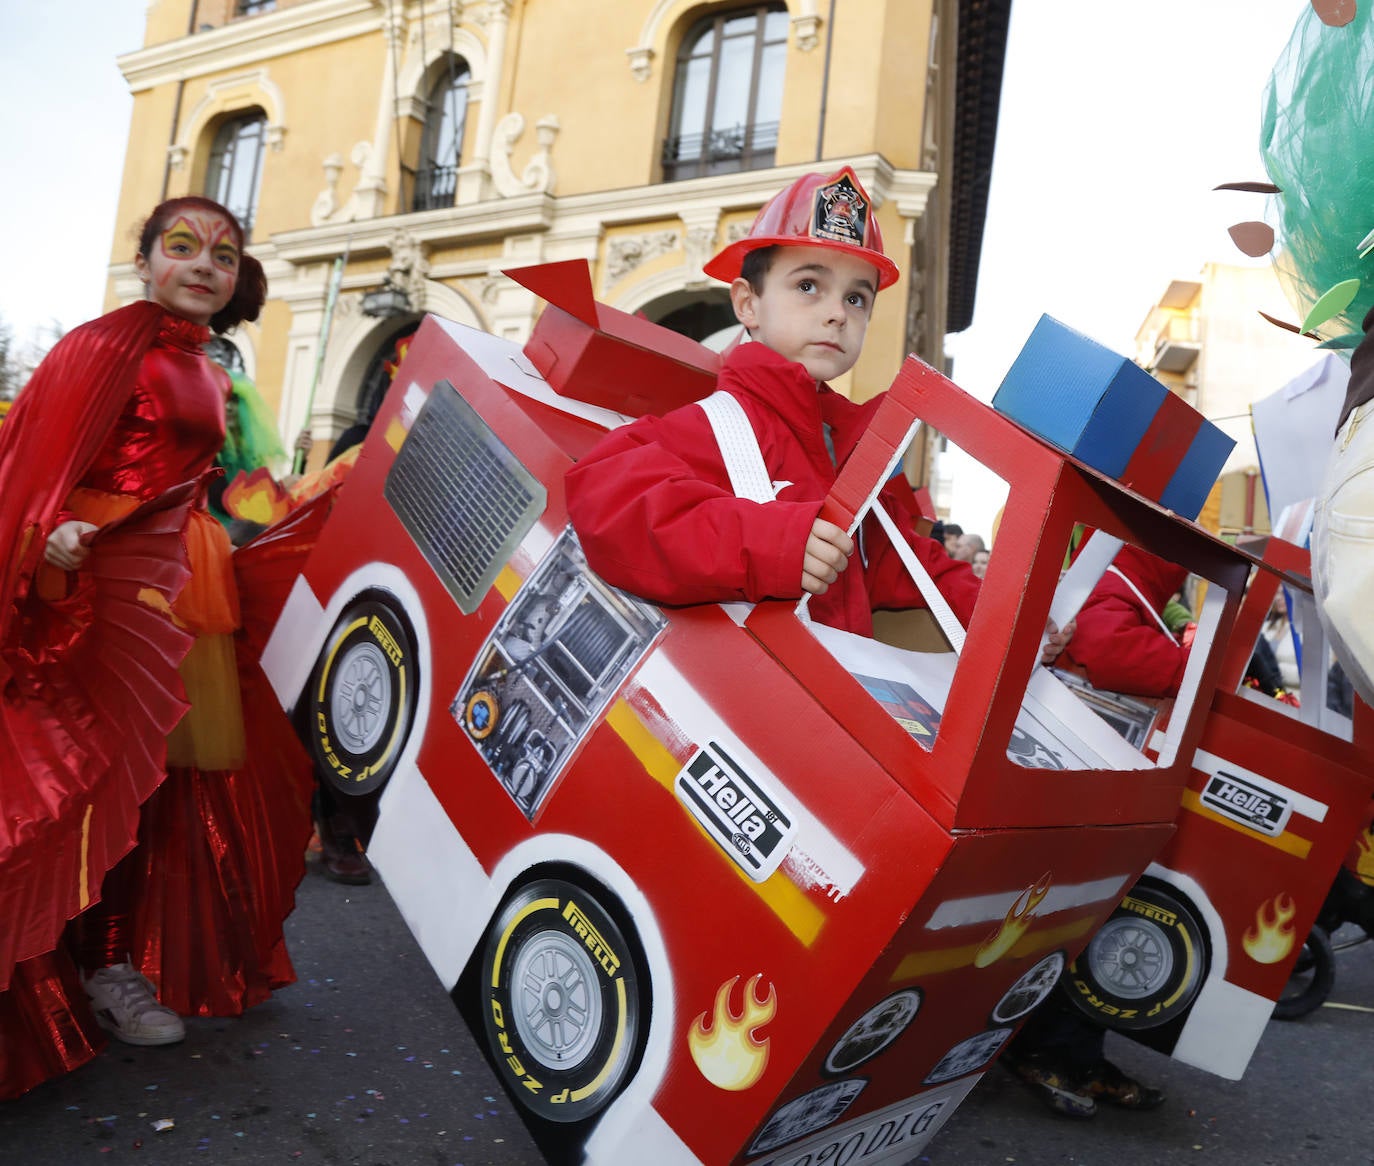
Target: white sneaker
{"x": 126, "y": 1007}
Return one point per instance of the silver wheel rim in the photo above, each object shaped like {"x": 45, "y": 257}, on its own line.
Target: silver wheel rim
{"x": 1131, "y": 957}
{"x": 361, "y": 697}
{"x": 556, "y": 1000}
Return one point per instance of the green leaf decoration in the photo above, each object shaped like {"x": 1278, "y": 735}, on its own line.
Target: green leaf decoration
{"x": 1331, "y": 303}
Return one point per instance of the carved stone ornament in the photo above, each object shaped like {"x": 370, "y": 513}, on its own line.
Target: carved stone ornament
{"x": 483, "y": 288}
{"x": 701, "y": 241}
{"x": 327, "y": 208}
{"x": 737, "y": 231}
{"x": 625, "y": 253}
{"x": 538, "y": 175}
{"x": 492, "y": 10}
{"x": 641, "y": 62}
{"x": 806, "y": 31}
{"x": 408, "y": 268}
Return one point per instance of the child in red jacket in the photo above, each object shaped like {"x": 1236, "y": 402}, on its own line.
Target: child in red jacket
{"x": 654, "y": 505}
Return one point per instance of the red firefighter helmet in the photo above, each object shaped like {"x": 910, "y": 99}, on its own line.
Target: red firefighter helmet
{"x": 815, "y": 211}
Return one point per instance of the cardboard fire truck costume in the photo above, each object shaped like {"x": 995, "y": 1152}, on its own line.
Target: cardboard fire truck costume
{"x": 1193, "y": 960}
{"x": 717, "y": 884}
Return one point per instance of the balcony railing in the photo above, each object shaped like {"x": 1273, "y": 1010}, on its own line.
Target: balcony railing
{"x": 429, "y": 188}
{"x": 253, "y": 7}
{"x": 722, "y": 151}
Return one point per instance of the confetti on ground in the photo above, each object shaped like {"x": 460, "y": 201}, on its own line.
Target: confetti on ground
{"x": 164, "y": 1123}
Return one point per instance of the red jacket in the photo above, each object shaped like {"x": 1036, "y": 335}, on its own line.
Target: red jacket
{"x": 653, "y": 506}
{"x": 1119, "y": 642}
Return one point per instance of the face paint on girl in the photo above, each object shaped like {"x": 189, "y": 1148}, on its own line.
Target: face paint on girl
{"x": 193, "y": 266}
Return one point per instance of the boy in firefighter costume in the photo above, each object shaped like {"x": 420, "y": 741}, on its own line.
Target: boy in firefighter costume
{"x": 654, "y": 504}
{"x": 174, "y": 837}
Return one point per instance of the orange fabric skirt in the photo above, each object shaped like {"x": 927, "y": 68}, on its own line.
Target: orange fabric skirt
{"x": 210, "y": 736}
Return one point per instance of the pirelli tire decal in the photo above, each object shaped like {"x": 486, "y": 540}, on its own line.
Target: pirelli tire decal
{"x": 562, "y": 993}
{"x": 361, "y": 700}
{"x": 1145, "y": 965}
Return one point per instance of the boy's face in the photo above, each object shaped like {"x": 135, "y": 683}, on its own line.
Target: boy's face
{"x": 813, "y": 308}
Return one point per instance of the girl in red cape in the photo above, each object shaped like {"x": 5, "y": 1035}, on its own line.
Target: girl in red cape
{"x": 151, "y": 789}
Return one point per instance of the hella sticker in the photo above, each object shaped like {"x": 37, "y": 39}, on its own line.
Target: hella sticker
{"x": 1258, "y": 807}
{"x": 747, "y": 821}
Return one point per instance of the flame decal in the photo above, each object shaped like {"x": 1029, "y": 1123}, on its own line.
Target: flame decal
{"x": 1271, "y": 938}
{"x": 256, "y": 497}
{"x": 1018, "y": 920}
{"x": 725, "y": 1049}
{"x": 398, "y": 354}
{"x": 1364, "y": 857}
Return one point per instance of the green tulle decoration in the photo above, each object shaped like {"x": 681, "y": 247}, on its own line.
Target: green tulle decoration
{"x": 1317, "y": 143}
{"x": 250, "y": 432}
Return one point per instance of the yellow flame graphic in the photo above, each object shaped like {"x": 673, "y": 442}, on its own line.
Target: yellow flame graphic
{"x": 1364, "y": 862}
{"x": 1019, "y": 918}
{"x": 725, "y": 1049}
{"x": 1271, "y": 938}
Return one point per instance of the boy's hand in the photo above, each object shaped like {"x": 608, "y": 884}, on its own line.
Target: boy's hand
{"x": 64, "y": 548}
{"x": 1056, "y": 641}
{"x": 827, "y": 554}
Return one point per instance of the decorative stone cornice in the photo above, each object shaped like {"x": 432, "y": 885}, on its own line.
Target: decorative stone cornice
{"x": 250, "y": 41}
{"x": 496, "y": 219}
{"x": 696, "y": 203}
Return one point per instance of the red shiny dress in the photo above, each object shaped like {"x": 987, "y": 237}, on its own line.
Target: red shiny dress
{"x": 93, "y": 679}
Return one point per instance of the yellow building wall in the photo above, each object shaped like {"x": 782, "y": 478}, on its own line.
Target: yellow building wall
{"x": 557, "y": 61}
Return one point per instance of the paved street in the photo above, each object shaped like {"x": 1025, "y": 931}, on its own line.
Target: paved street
{"x": 365, "y": 1062}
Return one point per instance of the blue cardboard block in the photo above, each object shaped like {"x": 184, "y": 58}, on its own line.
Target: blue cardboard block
{"x": 1187, "y": 490}
{"x": 1097, "y": 405}
{"x": 1078, "y": 395}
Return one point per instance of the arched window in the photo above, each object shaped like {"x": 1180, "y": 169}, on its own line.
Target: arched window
{"x": 235, "y": 170}
{"x": 381, "y": 369}
{"x": 727, "y": 95}
{"x": 441, "y": 145}
{"x": 704, "y": 317}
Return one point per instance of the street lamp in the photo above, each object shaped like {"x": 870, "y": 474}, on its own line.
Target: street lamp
{"x": 386, "y": 301}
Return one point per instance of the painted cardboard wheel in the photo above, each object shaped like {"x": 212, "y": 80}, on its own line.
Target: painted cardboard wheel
{"x": 1312, "y": 977}
{"x": 361, "y": 700}
{"x": 562, "y": 991}
{"x": 1145, "y": 965}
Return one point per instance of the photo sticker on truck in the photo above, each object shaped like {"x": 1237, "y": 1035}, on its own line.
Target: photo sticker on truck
{"x": 1260, "y": 808}
{"x": 748, "y": 822}
{"x": 550, "y": 666}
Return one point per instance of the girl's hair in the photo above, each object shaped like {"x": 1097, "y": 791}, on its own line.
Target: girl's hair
{"x": 250, "y": 290}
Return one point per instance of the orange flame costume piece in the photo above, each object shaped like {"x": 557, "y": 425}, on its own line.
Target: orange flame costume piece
{"x": 256, "y": 497}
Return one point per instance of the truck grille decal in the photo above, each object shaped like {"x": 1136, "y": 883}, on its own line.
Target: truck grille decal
{"x": 463, "y": 496}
